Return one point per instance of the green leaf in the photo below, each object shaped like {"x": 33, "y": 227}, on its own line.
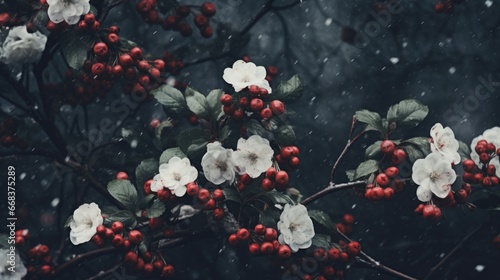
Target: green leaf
{"x": 40, "y": 19}
{"x": 163, "y": 127}
{"x": 197, "y": 103}
{"x": 191, "y": 136}
{"x": 171, "y": 98}
{"x": 407, "y": 113}
{"x": 124, "y": 192}
{"x": 126, "y": 217}
{"x": 146, "y": 170}
{"x": 232, "y": 194}
{"x": 322, "y": 218}
{"x": 463, "y": 150}
{"x": 279, "y": 198}
{"x": 285, "y": 136}
{"x": 255, "y": 128}
{"x": 322, "y": 241}
{"x": 422, "y": 143}
{"x": 366, "y": 168}
{"x": 350, "y": 174}
{"x": 197, "y": 148}
{"x": 144, "y": 203}
{"x": 290, "y": 90}
{"x": 413, "y": 153}
{"x": 68, "y": 221}
{"x": 156, "y": 209}
{"x": 74, "y": 47}
{"x": 373, "y": 151}
{"x": 213, "y": 100}
{"x": 127, "y": 44}
{"x": 269, "y": 217}
{"x": 372, "y": 119}
{"x": 170, "y": 153}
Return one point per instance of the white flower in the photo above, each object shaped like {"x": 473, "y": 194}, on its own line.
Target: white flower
{"x": 296, "y": 227}
{"x": 444, "y": 142}
{"x": 218, "y": 165}
{"x": 21, "y": 46}
{"x": 253, "y": 156}
{"x": 11, "y": 268}
{"x": 491, "y": 135}
{"x": 175, "y": 175}
{"x": 434, "y": 175}
{"x": 245, "y": 74}
{"x": 67, "y": 10}
{"x": 85, "y": 221}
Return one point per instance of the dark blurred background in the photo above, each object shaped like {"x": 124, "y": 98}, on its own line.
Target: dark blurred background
{"x": 412, "y": 52}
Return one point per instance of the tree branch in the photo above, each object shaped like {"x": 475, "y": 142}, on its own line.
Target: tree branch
{"x": 332, "y": 188}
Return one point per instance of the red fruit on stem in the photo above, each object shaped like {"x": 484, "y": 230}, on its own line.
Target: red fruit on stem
{"x": 387, "y": 147}
{"x": 254, "y": 249}
{"x": 392, "y": 172}
{"x": 117, "y": 241}
{"x": 260, "y": 229}
{"x": 469, "y": 165}
{"x": 287, "y": 152}
{"x": 233, "y": 239}
{"x": 267, "y": 184}
{"x": 117, "y": 227}
{"x": 98, "y": 69}
{"x": 282, "y": 177}
{"x": 277, "y": 107}
{"x": 243, "y": 234}
{"x": 226, "y": 99}
{"x": 254, "y": 90}
{"x": 388, "y": 193}
{"x": 271, "y": 173}
{"x": 382, "y": 180}
{"x": 136, "y": 53}
{"x": 270, "y": 234}
{"x": 126, "y": 60}
{"x": 101, "y": 49}
{"x": 203, "y": 195}
{"x": 398, "y": 156}
{"x": 218, "y": 213}
{"x": 267, "y": 248}
{"x": 378, "y": 193}
{"x": 266, "y": 113}
{"x": 348, "y": 219}
{"x": 284, "y": 251}
{"x": 256, "y": 104}
{"x": 192, "y": 189}
{"x": 200, "y": 20}
{"x": 218, "y": 194}
{"x": 208, "y": 9}
{"x": 135, "y": 236}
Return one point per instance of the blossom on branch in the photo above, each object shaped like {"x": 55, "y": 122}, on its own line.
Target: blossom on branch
{"x": 253, "y": 156}
{"x": 296, "y": 227}
{"x": 175, "y": 175}
{"x": 84, "y": 223}
{"x": 21, "y": 46}
{"x": 245, "y": 74}
{"x": 491, "y": 135}
{"x": 444, "y": 143}
{"x": 218, "y": 165}
{"x": 434, "y": 175}
{"x": 67, "y": 10}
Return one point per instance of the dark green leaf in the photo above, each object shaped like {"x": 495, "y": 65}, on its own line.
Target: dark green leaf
{"x": 232, "y": 194}
{"x": 197, "y": 103}
{"x": 322, "y": 218}
{"x": 170, "y": 153}
{"x": 74, "y": 47}
{"x": 350, "y": 174}
{"x": 279, "y": 198}
{"x": 463, "y": 150}
{"x": 322, "y": 241}
{"x": 126, "y": 217}
{"x": 407, "y": 113}
{"x": 413, "y": 153}
{"x": 68, "y": 221}
{"x": 290, "y": 90}
{"x": 285, "y": 136}
{"x": 146, "y": 170}
{"x": 269, "y": 217}
{"x": 213, "y": 100}
{"x": 373, "y": 151}
{"x": 197, "y": 148}
{"x": 127, "y": 44}
{"x": 372, "y": 119}
{"x": 144, "y": 203}
{"x": 124, "y": 192}
{"x": 366, "y": 168}
{"x": 156, "y": 209}
{"x": 171, "y": 98}
{"x": 189, "y": 136}
{"x": 422, "y": 143}
{"x": 255, "y": 128}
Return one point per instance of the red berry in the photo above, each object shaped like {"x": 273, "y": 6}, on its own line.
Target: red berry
{"x": 243, "y": 234}
{"x": 233, "y": 239}
{"x": 228, "y": 110}
{"x": 387, "y": 147}
{"x": 147, "y": 187}
{"x": 130, "y": 259}
{"x": 238, "y": 114}
{"x": 117, "y": 241}
{"x": 98, "y": 240}
{"x": 486, "y": 182}
{"x": 388, "y": 193}
{"x": 122, "y": 176}
{"x": 267, "y": 248}
{"x": 419, "y": 209}
{"x": 98, "y": 69}
{"x": 185, "y": 29}
{"x": 498, "y": 152}
{"x": 254, "y": 90}
{"x": 490, "y": 148}
{"x": 155, "y": 223}
{"x": 114, "y": 29}
{"x": 320, "y": 254}
{"x": 192, "y": 189}
{"x": 282, "y": 177}
{"x": 294, "y": 162}
{"x": 100, "y": 49}
{"x": 117, "y": 70}
{"x": 143, "y": 66}
{"x": 277, "y": 107}
{"x": 267, "y": 184}
{"x": 478, "y": 178}
{"x": 480, "y": 148}
{"x": 218, "y": 195}
{"x": 126, "y": 60}
{"x": 469, "y": 165}
{"x": 260, "y": 229}
{"x": 200, "y": 20}
{"x": 254, "y": 249}
{"x": 203, "y": 195}
{"x": 117, "y": 227}
{"x": 287, "y": 152}
{"x": 348, "y": 219}
{"x": 270, "y": 234}
{"x": 135, "y": 236}
{"x": 382, "y": 180}
{"x": 112, "y": 38}
{"x": 208, "y": 9}
{"x": 328, "y": 272}
{"x": 136, "y": 53}
{"x": 256, "y": 104}
{"x": 207, "y": 32}
{"x": 244, "y": 102}
{"x": 392, "y": 172}
{"x": 378, "y": 193}
{"x": 89, "y": 19}
{"x": 428, "y": 211}
{"x": 334, "y": 254}
{"x": 167, "y": 271}
{"x": 164, "y": 194}
{"x": 45, "y": 269}
{"x": 398, "y": 156}
{"x": 484, "y": 158}
{"x": 246, "y": 179}
{"x": 226, "y": 99}
{"x": 284, "y": 251}
{"x": 266, "y": 113}
{"x": 101, "y": 230}
{"x": 218, "y": 213}
{"x": 491, "y": 170}
{"x": 494, "y": 180}
{"x": 210, "y": 204}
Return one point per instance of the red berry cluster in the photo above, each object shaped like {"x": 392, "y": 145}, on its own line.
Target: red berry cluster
{"x": 177, "y": 17}
{"x": 446, "y": 7}
{"x": 210, "y": 200}
{"x": 22, "y": 236}
{"x": 346, "y": 225}
{"x": 8, "y": 135}
{"x": 261, "y": 240}
{"x": 117, "y": 236}
{"x": 387, "y": 183}
{"x": 251, "y": 101}
{"x": 429, "y": 211}
{"x": 173, "y": 65}
{"x": 39, "y": 261}
{"x": 275, "y": 180}
{"x": 486, "y": 175}
{"x": 432, "y": 210}
{"x": 148, "y": 264}
{"x": 288, "y": 157}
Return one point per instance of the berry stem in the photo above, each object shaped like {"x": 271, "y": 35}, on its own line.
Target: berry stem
{"x": 332, "y": 188}
{"x": 82, "y": 257}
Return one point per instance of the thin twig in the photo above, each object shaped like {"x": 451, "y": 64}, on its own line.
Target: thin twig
{"x": 332, "y": 188}
{"x": 83, "y": 257}
{"x": 103, "y": 274}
